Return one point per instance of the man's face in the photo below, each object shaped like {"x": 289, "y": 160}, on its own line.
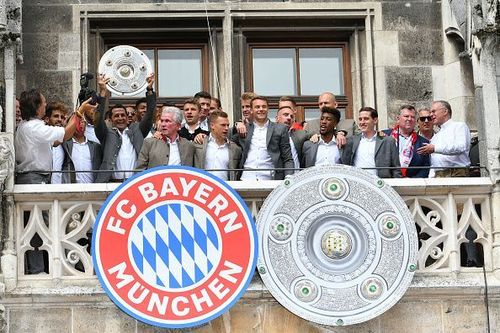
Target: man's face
{"x": 205, "y": 107}
{"x": 219, "y": 128}
{"x": 119, "y": 118}
{"x": 57, "y": 118}
{"x": 327, "y": 100}
{"x": 327, "y": 123}
{"x": 366, "y": 123}
{"x": 40, "y": 112}
{"x": 406, "y": 120}
{"x": 141, "y": 110}
{"x": 168, "y": 125}
{"x": 213, "y": 106}
{"x": 425, "y": 121}
{"x": 285, "y": 116}
{"x": 191, "y": 113}
{"x": 288, "y": 104}
{"x": 259, "y": 110}
{"x": 18, "y": 112}
{"x": 130, "y": 114}
{"x": 439, "y": 114}
{"x": 246, "y": 109}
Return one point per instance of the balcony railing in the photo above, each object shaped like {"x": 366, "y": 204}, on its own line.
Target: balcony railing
{"x": 53, "y": 224}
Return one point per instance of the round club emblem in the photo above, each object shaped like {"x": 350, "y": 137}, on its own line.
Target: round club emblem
{"x": 174, "y": 247}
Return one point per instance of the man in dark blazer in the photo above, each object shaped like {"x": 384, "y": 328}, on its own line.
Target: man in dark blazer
{"x": 286, "y": 116}
{"x": 369, "y": 150}
{"x": 170, "y": 149}
{"x": 266, "y": 146}
{"x": 217, "y": 151}
{"x": 324, "y": 150}
{"x": 80, "y": 154}
{"x": 408, "y": 141}
{"x": 121, "y": 142}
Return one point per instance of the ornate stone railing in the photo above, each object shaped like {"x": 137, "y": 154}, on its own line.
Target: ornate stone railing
{"x": 54, "y": 224}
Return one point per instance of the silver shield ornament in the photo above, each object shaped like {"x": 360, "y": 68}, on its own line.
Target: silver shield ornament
{"x": 337, "y": 245}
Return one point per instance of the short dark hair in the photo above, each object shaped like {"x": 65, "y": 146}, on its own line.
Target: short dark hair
{"x": 139, "y": 101}
{"x": 30, "y": 101}
{"x": 373, "y": 112}
{"x": 217, "y": 101}
{"x": 117, "y": 106}
{"x": 55, "y": 106}
{"x": 262, "y": 98}
{"x": 202, "y": 94}
{"x": 216, "y": 114}
{"x": 334, "y": 112}
{"x": 288, "y": 99}
{"x": 407, "y": 106}
{"x": 445, "y": 104}
{"x": 193, "y": 101}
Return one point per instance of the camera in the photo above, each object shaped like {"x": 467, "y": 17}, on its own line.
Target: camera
{"x": 85, "y": 92}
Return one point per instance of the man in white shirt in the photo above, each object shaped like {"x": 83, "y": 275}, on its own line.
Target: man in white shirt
{"x": 34, "y": 139}
{"x": 204, "y": 99}
{"x": 55, "y": 115}
{"x": 325, "y": 151}
{"x": 217, "y": 154}
{"x": 171, "y": 149}
{"x": 449, "y": 148}
{"x": 191, "y": 128}
{"x": 266, "y": 148}
{"x": 375, "y": 153}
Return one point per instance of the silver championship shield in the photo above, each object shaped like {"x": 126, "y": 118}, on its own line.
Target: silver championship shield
{"x": 338, "y": 246}
{"x": 127, "y": 67}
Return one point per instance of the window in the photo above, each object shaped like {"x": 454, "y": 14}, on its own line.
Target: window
{"x": 302, "y": 71}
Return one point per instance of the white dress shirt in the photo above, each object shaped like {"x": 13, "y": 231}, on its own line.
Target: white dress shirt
{"x": 217, "y": 157}
{"x": 451, "y": 146}
{"x": 204, "y": 125}
{"x": 126, "y": 158}
{"x": 328, "y": 153}
{"x": 295, "y": 155}
{"x": 33, "y": 143}
{"x": 90, "y": 133}
{"x": 365, "y": 154}
{"x": 175, "y": 156}
{"x": 82, "y": 161}
{"x": 57, "y": 162}
{"x": 258, "y": 158}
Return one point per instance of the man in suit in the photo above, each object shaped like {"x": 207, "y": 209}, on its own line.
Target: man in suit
{"x": 375, "y": 153}
{"x": 217, "y": 152}
{"x": 121, "y": 142}
{"x": 81, "y": 155}
{"x": 265, "y": 147}
{"x": 324, "y": 151}
{"x": 191, "y": 128}
{"x": 171, "y": 149}
{"x": 286, "y": 116}
{"x": 408, "y": 141}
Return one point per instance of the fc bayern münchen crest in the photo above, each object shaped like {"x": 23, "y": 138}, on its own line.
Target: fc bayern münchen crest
{"x": 174, "y": 247}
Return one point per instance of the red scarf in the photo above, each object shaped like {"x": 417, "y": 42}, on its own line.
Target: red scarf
{"x": 407, "y": 154}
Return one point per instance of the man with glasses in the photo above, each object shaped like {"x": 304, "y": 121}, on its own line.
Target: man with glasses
{"x": 413, "y": 165}
{"x": 449, "y": 148}
{"x": 425, "y": 123}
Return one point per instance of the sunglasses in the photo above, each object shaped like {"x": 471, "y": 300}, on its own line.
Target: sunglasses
{"x": 428, "y": 118}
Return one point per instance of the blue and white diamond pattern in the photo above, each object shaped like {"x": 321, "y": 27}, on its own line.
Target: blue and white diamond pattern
{"x": 174, "y": 245}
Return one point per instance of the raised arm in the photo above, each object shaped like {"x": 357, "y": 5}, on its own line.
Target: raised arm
{"x": 147, "y": 121}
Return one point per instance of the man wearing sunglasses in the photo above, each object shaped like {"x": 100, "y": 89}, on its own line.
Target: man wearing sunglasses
{"x": 449, "y": 148}
{"x": 425, "y": 123}
{"x": 413, "y": 164}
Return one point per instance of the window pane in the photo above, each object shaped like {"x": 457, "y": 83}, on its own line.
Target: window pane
{"x": 274, "y": 72}
{"x": 272, "y": 114}
{"x": 150, "y": 53}
{"x": 321, "y": 70}
{"x": 179, "y": 72}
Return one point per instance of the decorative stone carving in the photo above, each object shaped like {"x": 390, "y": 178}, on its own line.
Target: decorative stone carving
{"x": 6, "y": 159}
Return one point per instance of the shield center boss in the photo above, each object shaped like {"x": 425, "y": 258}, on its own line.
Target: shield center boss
{"x": 174, "y": 247}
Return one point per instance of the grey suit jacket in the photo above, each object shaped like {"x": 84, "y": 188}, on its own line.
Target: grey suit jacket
{"x": 68, "y": 163}
{"x": 156, "y": 152}
{"x": 386, "y": 155}
{"x": 278, "y": 147}
{"x": 111, "y": 140}
{"x": 234, "y": 157}
{"x": 298, "y": 139}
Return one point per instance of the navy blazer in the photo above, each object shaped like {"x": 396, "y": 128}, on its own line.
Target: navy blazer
{"x": 417, "y": 160}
